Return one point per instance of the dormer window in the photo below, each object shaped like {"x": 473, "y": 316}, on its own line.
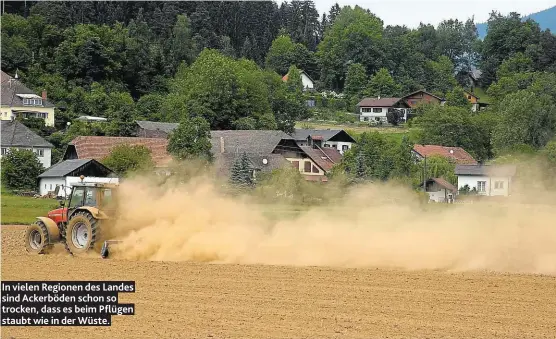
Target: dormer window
{"x": 30, "y": 99}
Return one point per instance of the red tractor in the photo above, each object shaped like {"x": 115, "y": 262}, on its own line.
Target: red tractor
{"x": 77, "y": 223}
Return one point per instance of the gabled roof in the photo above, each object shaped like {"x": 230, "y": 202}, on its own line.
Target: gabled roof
{"x": 458, "y": 154}
{"x": 326, "y": 134}
{"x": 74, "y": 166}
{"x": 487, "y": 170}
{"x": 423, "y": 91}
{"x": 286, "y": 77}
{"x": 166, "y": 127}
{"x": 11, "y": 87}
{"x": 443, "y": 183}
{"x": 378, "y": 102}
{"x": 16, "y": 134}
{"x": 323, "y": 157}
{"x": 261, "y": 142}
{"x": 471, "y": 94}
{"x": 99, "y": 147}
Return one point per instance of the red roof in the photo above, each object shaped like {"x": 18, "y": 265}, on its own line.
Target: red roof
{"x": 98, "y": 147}
{"x": 285, "y": 78}
{"x": 458, "y": 154}
{"x": 382, "y": 102}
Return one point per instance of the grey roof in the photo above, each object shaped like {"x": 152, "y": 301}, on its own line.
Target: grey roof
{"x": 261, "y": 142}
{"x": 166, "y": 127}
{"x": 486, "y": 170}
{"x": 11, "y": 87}
{"x": 224, "y": 162}
{"x": 326, "y": 134}
{"x": 65, "y": 167}
{"x": 16, "y": 134}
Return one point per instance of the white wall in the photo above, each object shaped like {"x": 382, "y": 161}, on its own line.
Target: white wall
{"x": 68, "y": 181}
{"x": 338, "y": 145}
{"x": 439, "y": 196}
{"x": 307, "y": 83}
{"x": 45, "y": 159}
{"x": 490, "y": 187}
{"x": 381, "y": 115}
{"x": 49, "y": 184}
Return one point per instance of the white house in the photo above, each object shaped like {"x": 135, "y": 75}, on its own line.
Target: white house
{"x": 375, "y": 109}
{"x": 17, "y": 135}
{"x": 18, "y": 101}
{"x": 306, "y": 80}
{"x": 66, "y": 173}
{"x": 489, "y": 180}
{"x": 338, "y": 139}
{"x": 440, "y": 190}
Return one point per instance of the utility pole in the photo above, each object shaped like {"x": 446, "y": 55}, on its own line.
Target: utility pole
{"x": 425, "y": 175}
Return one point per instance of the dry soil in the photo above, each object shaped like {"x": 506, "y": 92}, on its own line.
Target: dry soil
{"x": 191, "y": 300}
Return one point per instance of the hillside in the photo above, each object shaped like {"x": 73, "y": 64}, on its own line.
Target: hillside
{"x": 546, "y": 19}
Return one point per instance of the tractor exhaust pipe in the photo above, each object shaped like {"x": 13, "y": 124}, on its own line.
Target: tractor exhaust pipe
{"x": 104, "y": 252}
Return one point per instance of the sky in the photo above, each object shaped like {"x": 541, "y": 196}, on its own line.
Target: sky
{"x": 412, "y": 12}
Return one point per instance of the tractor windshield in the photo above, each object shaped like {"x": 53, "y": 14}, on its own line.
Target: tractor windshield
{"x": 77, "y": 197}
{"x": 90, "y": 197}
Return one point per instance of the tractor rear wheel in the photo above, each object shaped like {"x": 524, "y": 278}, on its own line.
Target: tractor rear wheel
{"x": 81, "y": 233}
{"x": 37, "y": 239}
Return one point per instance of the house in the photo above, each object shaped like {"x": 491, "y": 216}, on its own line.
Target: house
{"x": 489, "y": 180}
{"x": 375, "y": 109}
{"x": 473, "y": 100}
{"x": 62, "y": 175}
{"x": 17, "y": 135}
{"x": 308, "y": 83}
{"x": 152, "y": 129}
{"x": 421, "y": 96}
{"x": 268, "y": 150}
{"x": 99, "y": 147}
{"x": 457, "y": 154}
{"x": 440, "y": 190}
{"x": 18, "y": 101}
{"x": 338, "y": 139}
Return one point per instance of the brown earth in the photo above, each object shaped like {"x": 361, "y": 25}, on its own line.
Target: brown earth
{"x": 190, "y": 300}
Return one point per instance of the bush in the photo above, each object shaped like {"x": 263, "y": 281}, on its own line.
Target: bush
{"x": 20, "y": 169}
{"x": 125, "y": 159}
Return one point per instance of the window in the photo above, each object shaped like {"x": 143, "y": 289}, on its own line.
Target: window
{"x": 481, "y": 186}
{"x": 366, "y": 110}
{"x": 77, "y": 197}
{"x": 377, "y": 110}
{"x": 4, "y": 151}
{"x": 499, "y": 185}
{"x": 469, "y": 97}
{"x": 51, "y": 187}
{"x": 39, "y": 152}
{"x": 345, "y": 147}
{"x": 307, "y": 168}
{"x": 326, "y": 145}
{"x": 295, "y": 164}
{"x": 90, "y": 197}
{"x": 42, "y": 115}
{"x": 315, "y": 169}
{"x": 413, "y": 102}
{"x": 32, "y": 102}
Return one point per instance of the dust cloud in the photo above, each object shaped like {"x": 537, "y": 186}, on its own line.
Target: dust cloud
{"x": 376, "y": 225}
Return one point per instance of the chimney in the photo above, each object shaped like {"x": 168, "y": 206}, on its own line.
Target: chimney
{"x": 221, "y": 144}
{"x": 44, "y": 94}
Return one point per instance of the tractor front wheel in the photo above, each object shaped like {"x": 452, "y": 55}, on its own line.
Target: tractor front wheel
{"x": 37, "y": 239}
{"x": 81, "y": 233}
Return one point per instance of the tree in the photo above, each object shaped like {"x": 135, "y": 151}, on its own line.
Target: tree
{"x": 454, "y": 127}
{"x": 126, "y": 159}
{"x": 437, "y": 167}
{"x": 382, "y": 84}
{"x": 525, "y": 118}
{"x": 241, "y": 172}
{"x": 294, "y": 83}
{"x": 20, "y": 169}
{"x": 191, "y": 139}
{"x": 121, "y": 112}
{"x": 354, "y": 37}
{"x": 183, "y": 47}
{"x": 284, "y": 53}
{"x": 288, "y": 107}
{"x": 457, "y": 98}
{"x": 375, "y": 155}
{"x": 439, "y": 75}
{"x": 549, "y": 152}
{"x": 356, "y": 81}
{"x": 394, "y": 116}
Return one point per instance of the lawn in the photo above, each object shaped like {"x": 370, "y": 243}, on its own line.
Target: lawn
{"x": 17, "y": 210}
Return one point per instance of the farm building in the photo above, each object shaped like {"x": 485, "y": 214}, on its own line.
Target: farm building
{"x": 489, "y": 180}
{"x": 67, "y": 172}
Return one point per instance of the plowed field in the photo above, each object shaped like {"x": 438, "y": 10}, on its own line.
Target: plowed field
{"x": 189, "y": 300}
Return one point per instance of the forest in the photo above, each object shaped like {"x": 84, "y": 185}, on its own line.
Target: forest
{"x": 223, "y": 62}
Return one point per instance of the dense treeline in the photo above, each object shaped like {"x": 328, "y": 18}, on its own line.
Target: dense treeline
{"x": 223, "y": 62}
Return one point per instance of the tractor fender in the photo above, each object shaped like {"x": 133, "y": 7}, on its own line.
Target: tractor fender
{"x": 53, "y": 231}
{"x": 95, "y": 212}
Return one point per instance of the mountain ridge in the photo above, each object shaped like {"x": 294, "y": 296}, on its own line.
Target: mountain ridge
{"x": 545, "y": 18}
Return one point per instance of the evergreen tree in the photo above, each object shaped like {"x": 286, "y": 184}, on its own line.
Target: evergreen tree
{"x": 360, "y": 169}
{"x": 241, "y": 172}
